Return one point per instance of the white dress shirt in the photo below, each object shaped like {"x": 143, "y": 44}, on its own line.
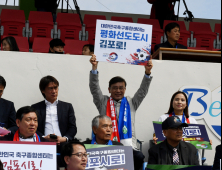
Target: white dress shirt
{"x": 52, "y": 122}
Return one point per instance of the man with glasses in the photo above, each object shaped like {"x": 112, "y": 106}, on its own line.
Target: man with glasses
{"x": 74, "y": 155}
{"x": 121, "y": 109}
{"x": 7, "y": 110}
{"x": 173, "y": 151}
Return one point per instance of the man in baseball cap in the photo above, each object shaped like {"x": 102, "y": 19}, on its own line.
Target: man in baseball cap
{"x": 173, "y": 151}
{"x": 56, "y": 46}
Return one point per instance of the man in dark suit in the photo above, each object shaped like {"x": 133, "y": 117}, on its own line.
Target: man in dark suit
{"x": 173, "y": 151}
{"x": 27, "y": 121}
{"x": 103, "y": 129}
{"x": 217, "y": 158}
{"x": 7, "y": 110}
{"x": 55, "y": 117}
{"x": 172, "y": 31}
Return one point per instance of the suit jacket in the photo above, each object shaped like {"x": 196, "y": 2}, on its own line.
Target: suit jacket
{"x": 66, "y": 118}
{"x": 100, "y": 100}
{"x": 159, "y": 154}
{"x": 8, "y": 115}
{"x": 88, "y": 142}
{"x": 10, "y": 137}
{"x": 168, "y": 45}
{"x": 217, "y": 158}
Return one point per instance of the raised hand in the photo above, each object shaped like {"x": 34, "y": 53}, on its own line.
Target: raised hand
{"x": 94, "y": 62}
{"x": 149, "y": 66}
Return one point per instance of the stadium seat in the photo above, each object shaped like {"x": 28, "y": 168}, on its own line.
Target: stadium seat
{"x": 184, "y": 34}
{"x": 90, "y": 21}
{"x": 12, "y": 22}
{"x": 218, "y": 29}
{"x": 41, "y": 25}
{"x": 22, "y": 43}
{"x": 69, "y": 26}
{"x": 203, "y": 35}
{"x": 122, "y": 19}
{"x": 41, "y": 45}
{"x": 158, "y": 33}
{"x": 74, "y": 46}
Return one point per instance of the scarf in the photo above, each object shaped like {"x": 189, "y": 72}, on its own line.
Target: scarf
{"x": 183, "y": 119}
{"x": 16, "y": 137}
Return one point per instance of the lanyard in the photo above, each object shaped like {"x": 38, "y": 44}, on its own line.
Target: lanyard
{"x": 183, "y": 118}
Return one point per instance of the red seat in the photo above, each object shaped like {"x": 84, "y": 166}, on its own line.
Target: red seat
{"x": 90, "y": 21}
{"x": 157, "y": 32}
{"x": 41, "y": 45}
{"x": 13, "y": 22}
{"x": 41, "y": 24}
{"x": 22, "y": 43}
{"x": 122, "y": 19}
{"x": 69, "y": 25}
{"x": 184, "y": 34}
{"x": 74, "y": 46}
{"x": 218, "y": 29}
{"x": 203, "y": 34}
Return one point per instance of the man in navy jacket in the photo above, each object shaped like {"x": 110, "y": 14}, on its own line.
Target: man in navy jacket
{"x": 7, "y": 110}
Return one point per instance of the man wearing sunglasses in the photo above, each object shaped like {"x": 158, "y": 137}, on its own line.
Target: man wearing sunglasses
{"x": 173, "y": 151}
{"x": 74, "y": 156}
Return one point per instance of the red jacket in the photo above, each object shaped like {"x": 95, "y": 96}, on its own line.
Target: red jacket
{"x": 155, "y": 5}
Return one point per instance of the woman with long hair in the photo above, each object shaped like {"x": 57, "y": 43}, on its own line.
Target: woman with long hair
{"x": 9, "y": 44}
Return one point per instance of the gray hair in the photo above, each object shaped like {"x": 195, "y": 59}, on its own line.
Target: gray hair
{"x": 95, "y": 122}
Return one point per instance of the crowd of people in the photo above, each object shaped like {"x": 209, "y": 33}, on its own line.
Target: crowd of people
{"x": 52, "y": 120}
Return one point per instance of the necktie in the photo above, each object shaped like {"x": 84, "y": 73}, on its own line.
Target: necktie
{"x": 176, "y": 159}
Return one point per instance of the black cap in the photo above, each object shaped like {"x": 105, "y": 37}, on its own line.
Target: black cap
{"x": 56, "y": 42}
{"x": 172, "y": 122}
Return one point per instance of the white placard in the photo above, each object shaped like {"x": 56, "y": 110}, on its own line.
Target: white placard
{"x": 28, "y": 155}
{"x": 123, "y": 42}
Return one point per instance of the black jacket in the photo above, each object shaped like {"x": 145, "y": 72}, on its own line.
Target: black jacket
{"x": 10, "y": 137}
{"x": 8, "y": 115}
{"x": 66, "y": 118}
{"x": 168, "y": 45}
{"x": 159, "y": 154}
{"x": 114, "y": 143}
{"x": 217, "y": 158}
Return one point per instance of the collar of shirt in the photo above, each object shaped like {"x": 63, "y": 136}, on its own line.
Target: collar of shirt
{"x": 171, "y": 147}
{"x": 170, "y": 45}
{"x": 49, "y": 103}
{"x": 115, "y": 102}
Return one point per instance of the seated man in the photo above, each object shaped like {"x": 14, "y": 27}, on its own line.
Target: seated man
{"x": 7, "y": 110}
{"x": 116, "y": 104}
{"x": 88, "y": 49}
{"x": 56, "y": 117}
{"x": 103, "y": 129}
{"x": 172, "y": 31}
{"x": 27, "y": 121}
{"x": 56, "y": 46}
{"x": 74, "y": 156}
{"x": 173, "y": 151}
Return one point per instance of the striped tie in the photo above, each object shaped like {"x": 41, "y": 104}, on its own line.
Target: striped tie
{"x": 176, "y": 159}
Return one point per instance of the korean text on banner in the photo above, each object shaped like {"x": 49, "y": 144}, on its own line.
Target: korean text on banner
{"x": 28, "y": 155}
{"x": 195, "y": 134}
{"x": 122, "y": 42}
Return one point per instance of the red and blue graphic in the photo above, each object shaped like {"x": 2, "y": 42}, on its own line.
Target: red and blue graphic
{"x": 112, "y": 57}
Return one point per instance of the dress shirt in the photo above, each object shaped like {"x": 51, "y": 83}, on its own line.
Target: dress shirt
{"x": 171, "y": 151}
{"x": 52, "y": 122}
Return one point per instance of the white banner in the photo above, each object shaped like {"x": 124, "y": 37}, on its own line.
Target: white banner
{"x": 28, "y": 155}
{"x": 122, "y": 42}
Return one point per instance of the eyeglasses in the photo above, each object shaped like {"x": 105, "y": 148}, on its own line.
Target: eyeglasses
{"x": 177, "y": 129}
{"x": 120, "y": 88}
{"x": 81, "y": 155}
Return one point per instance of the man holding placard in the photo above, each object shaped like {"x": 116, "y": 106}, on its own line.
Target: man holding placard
{"x": 121, "y": 109}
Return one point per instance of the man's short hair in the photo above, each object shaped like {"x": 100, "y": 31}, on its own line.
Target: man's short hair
{"x": 56, "y": 42}
{"x": 171, "y": 26}
{"x": 25, "y": 110}
{"x": 1, "y": 165}
{"x": 67, "y": 149}
{"x": 95, "y": 122}
{"x": 115, "y": 80}
{"x": 44, "y": 82}
{"x": 2, "y": 82}
{"x": 91, "y": 47}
